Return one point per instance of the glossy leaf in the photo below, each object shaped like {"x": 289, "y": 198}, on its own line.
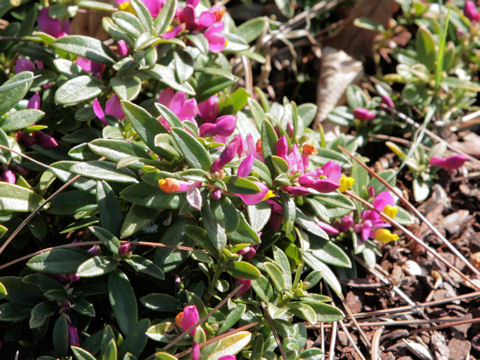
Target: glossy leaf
{"x": 78, "y": 89}
{"x": 14, "y": 89}
{"x": 145, "y": 266}
{"x": 230, "y": 345}
{"x": 21, "y": 119}
{"x": 58, "y": 261}
{"x": 18, "y": 198}
{"x": 243, "y": 270}
{"x": 194, "y": 152}
{"x": 85, "y": 46}
{"x": 96, "y": 266}
{"x": 123, "y": 301}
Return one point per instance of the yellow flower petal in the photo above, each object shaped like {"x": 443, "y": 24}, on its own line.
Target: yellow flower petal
{"x": 385, "y": 235}
{"x": 346, "y": 183}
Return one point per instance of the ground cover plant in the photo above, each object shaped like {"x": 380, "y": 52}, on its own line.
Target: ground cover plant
{"x": 161, "y": 200}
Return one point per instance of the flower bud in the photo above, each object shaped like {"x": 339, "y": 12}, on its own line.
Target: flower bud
{"x": 216, "y": 194}
{"x": 9, "y": 177}
{"x": 470, "y": 11}
{"x": 44, "y": 140}
{"x": 73, "y": 339}
{"x": 363, "y": 114}
{"x": 449, "y": 163}
{"x": 189, "y": 318}
{"x": 387, "y": 101}
{"x": 246, "y": 284}
{"x": 123, "y": 249}
{"x": 94, "y": 250}
{"x": 195, "y": 351}
{"x": 122, "y": 48}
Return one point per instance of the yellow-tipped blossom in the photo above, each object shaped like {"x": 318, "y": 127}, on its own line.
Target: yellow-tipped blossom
{"x": 126, "y": 6}
{"x": 385, "y": 235}
{"x": 346, "y": 183}
{"x": 171, "y": 185}
{"x": 391, "y": 211}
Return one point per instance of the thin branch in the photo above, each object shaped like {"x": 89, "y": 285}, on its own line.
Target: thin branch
{"x": 416, "y": 212}
{"x": 352, "y": 342}
{"x": 333, "y": 340}
{"x": 274, "y": 330}
{"x": 89, "y": 243}
{"x": 451, "y": 324}
{"x": 376, "y": 344}
{"x": 413, "y": 237}
{"x": 25, "y": 156}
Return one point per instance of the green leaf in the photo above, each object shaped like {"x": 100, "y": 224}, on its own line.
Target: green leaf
{"x": 108, "y": 207}
{"x": 136, "y": 219}
{"x": 230, "y": 345}
{"x": 145, "y": 125}
{"x": 126, "y": 87}
{"x": 40, "y": 313}
{"x": 234, "y": 43}
{"x": 136, "y": 339}
{"x": 103, "y": 170}
{"x": 71, "y": 202}
{"x": 324, "y": 312}
{"x": 110, "y": 351}
{"x": 258, "y": 215}
{"x": 21, "y": 119}
{"x": 115, "y": 150}
{"x": 311, "y": 354}
{"x": 324, "y": 155}
{"x": 213, "y": 86}
{"x": 316, "y": 264}
{"x": 96, "y": 266}
{"x": 243, "y": 270}
{"x": 307, "y": 113}
{"x": 240, "y": 185}
{"x": 106, "y": 237}
{"x": 226, "y": 213}
{"x": 160, "y": 302}
{"x": 166, "y": 76}
{"x": 145, "y": 266}
{"x": 303, "y": 311}
{"x": 252, "y": 29}
{"x": 169, "y": 115}
{"x": 282, "y": 261}
{"x": 243, "y": 233}
{"x": 194, "y": 152}
{"x": 129, "y": 23}
{"x": 426, "y": 50}
{"x": 14, "y": 89}
{"x": 184, "y": 64}
{"x": 215, "y": 230}
{"x": 368, "y": 24}
{"x": 96, "y": 5}
{"x": 276, "y": 275}
{"x": 81, "y": 354}
{"x": 150, "y": 197}
{"x": 201, "y": 238}
{"x": 123, "y": 301}
{"x": 164, "y": 356}
{"x": 60, "y": 335}
{"x": 165, "y": 17}
{"x": 199, "y": 41}
{"x": 310, "y": 225}
{"x": 86, "y": 47}
{"x": 232, "y": 318}
{"x": 78, "y": 89}
{"x": 456, "y": 83}
{"x": 285, "y": 7}
{"x": 83, "y": 307}
{"x": 143, "y": 14}
{"x": 58, "y": 261}
{"x": 269, "y": 142}
{"x": 329, "y": 253}
{"x": 263, "y": 289}
{"x": 18, "y": 198}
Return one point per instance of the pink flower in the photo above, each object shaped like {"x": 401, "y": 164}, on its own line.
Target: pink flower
{"x": 216, "y": 194}
{"x": 189, "y": 318}
{"x": 387, "y": 101}
{"x": 44, "y": 140}
{"x": 296, "y": 190}
{"x": 124, "y": 249}
{"x": 195, "y": 355}
{"x": 252, "y": 199}
{"x": 344, "y": 224}
{"x": 324, "y": 180}
{"x": 52, "y": 26}
{"x": 371, "y": 220}
{"x": 470, "y": 11}
{"x": 172, "y": 185}
{"x": 449, "y": 163}
{"x": 216, "y": 41}
{"x": 73, "y": 339}
{"x": 9, "y": 177}
{"x": 113, "y": 107}
{"x": 122, "y": 48}
{"x": 173, "y": 32}
{"x": 23, "y": 64}
{"x": 246, "y": 284}
{"x": 179, "y": 105}
{"x": 223, "y": 127}
{"x": 154, "y": 6}
{"x": 34, "y": 102}
{"x": 363, "y": 114}
{"x": 245, "y": 166}
{"x": 226, "y": 156}
{"x": 88, "y": 65}
{"x": 329, "y": 229}
{"x": 208, "y": 109}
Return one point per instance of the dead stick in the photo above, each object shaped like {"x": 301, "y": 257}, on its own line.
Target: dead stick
{"x": 350, "y": 339}
{"x": 274, "y": 330}
{"x": 415, "y": 211}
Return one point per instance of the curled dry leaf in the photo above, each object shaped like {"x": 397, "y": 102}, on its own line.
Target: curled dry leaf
{"x": 419, "y": 350}
{"x": 337, "y": 72}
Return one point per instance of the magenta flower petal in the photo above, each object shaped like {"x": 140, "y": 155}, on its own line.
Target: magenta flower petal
{"x": 449, "y": 163}
{"x": 363, "y": 114}
{"x": 154, "y": 6}
{"x": 224, "y": 126}
{"x": 85, "y": 64}
{"x": 195, "y": 355}
{"x": 470, "y": 11}
{"x": 193, "y": 3}
{"x": 245, "y": 166}
{"x": 173, "y": 32}
{"x": 333, "y": 171}
{"x": 387, "y": 101}
{"x": 187, "y": 16}
{"x": 73, "y": 339}
{"x": 44, "y": 140}
{"x": 208, "y": 109}
{"x": 253, "y": 199}
{"x": 281, "y": 148}
{"x": 97, "y": 109}
{"x": 383, "y": 199}
{"x": 189, "y": 110}
{"x": 114, "y": 107}
{"x": 296, "y": 190}
{"x": 9, "y": 177}
{"x": 329, "y": 229}
{"x": 34, "y": 102}
{"x": 49, "y": 25}
{"x": 177, "y": 102}
{"x": 226, "y": 156}
{"x": 124, "y": 249}
{"x": 23, "y": 64}
{"x": 122, "y": 48}
{"x": 216, "y": 42}
{"x": 166, "y": 97}
{"x": 205, "y": 19}
{"x": 189, "y": 318}
{"x": 246, "y": 284}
